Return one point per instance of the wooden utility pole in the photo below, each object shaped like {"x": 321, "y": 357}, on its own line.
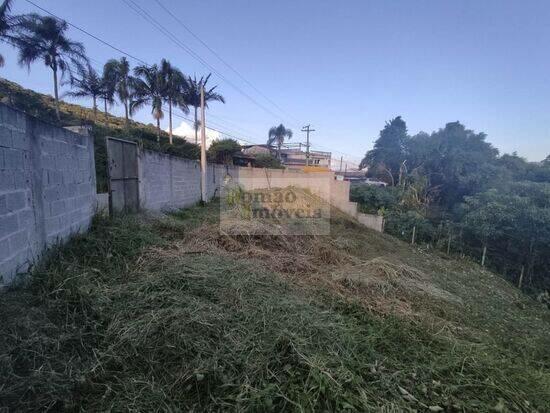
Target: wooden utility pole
{"x": 307, "y": 129}
{"x": 204, "y": 196}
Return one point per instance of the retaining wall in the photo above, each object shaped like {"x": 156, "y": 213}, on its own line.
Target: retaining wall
{"x": 47, "y": 188}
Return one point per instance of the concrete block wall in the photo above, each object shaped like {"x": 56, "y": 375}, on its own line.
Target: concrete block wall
{"x": 375, "y": 222}
{"x": 169, "y": 182}
{"x": 322, "y": 184}
{"x": 47, "y": 188}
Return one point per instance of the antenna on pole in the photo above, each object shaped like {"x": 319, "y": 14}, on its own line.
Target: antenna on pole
{"x": 204, "y": 196}
{"x": 307, "y": 129}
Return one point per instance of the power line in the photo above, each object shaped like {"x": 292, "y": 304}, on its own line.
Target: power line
{"x": 150, "y": 19}
{"x": 88, "y": 33}
{"x": 173, "y": 38}
{"x": 225, "y": 131}
{"x": 177, "y": 19}
{"x": 126, "y": 54}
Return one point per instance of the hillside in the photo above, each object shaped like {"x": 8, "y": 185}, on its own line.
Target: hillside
{"x": 42, "y": 107}
{"x": 169, "y": 314}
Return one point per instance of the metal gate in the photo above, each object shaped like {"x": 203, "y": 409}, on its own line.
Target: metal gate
{"x": 122, "y": 158}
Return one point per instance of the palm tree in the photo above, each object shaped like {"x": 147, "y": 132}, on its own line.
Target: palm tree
{"x": 6, "y": 24}
{"x": 44, "y": 37}
{"x": 193, "y": 97}
{"x": 175, "y": 86}
{"x": 148, "y": 88}
{"x": 120, "y": 71}
{"x": 277, "y": 136}
{"x": 88, "y": 83}
{"x": 108, "y": 88}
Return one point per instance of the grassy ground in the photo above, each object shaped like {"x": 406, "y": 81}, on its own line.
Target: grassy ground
{"x": 166, "y": 314}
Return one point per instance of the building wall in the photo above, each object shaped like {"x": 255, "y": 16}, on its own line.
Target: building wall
{"x": 47, "y": 188}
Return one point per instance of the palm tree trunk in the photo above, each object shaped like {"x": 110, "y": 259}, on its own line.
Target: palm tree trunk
{"x": 126, "y": 111}
{"x": 196, "y": 128}
{"x": 56, "y": 92}
{"x": 158, "y": 130}
{"x": 105, "y": 103}
{"x": 170, "y": 118}
{"x": 95, "y": 108}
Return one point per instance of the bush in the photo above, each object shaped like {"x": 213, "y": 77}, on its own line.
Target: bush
{"x": 401, "y": 224}
{"x": 267, "y": 161}
{"x": 372, "y": 198}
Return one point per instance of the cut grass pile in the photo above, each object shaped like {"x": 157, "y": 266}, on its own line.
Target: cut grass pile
{"x": 158, "y": 314}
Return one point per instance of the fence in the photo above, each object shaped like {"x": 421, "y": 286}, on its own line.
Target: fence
{"x": 48, "y": 185}
{"x": 47, "y": 188}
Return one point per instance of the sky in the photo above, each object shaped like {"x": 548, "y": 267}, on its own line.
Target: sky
{"x": 345, "y": 67}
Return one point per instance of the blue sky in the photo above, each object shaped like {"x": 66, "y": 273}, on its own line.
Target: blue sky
{"x": 345, "y": 67}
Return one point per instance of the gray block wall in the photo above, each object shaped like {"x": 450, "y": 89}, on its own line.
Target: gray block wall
{"x": 47, "y": 188}
{"x": 169, "y": 182}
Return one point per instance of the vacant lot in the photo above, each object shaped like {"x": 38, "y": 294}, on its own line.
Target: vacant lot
{"x": 167, "y": 314}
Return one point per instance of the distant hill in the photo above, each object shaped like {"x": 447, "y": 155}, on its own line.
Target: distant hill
{"x": 42, "y": 107}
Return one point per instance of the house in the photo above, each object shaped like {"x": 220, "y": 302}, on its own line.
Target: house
{"x": 293, "y": 156}
{"x": 253, "y": 150}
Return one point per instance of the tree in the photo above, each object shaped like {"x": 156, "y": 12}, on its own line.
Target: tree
{"x": 192, "y": 97}
{"x": 44, "y": 38}
{"x": 388, "y": 153}
{"x": 6, "y": 24}
{"x": 222, "y": 151}
{"x": 456, "y": 161}
{"x": 277, "y": 135}
{"x": 175, "y": 86}
{"x": 87, "y": 83}
{"x": 108, "y": 88}
{"x": 148, "y": 88}
{"x": 266, "y": 160}
{"x": 119, "y": 70}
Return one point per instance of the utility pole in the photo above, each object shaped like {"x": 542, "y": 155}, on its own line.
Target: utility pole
{"x": 307, "y": 129}
{"x": 204, "y": 196}
{"x": 341, "y": 160}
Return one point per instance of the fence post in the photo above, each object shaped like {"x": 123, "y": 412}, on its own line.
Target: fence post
{"x": 484, "y": 255}
{"x": 414, "y": 235}
{"x": 521, "y": 276}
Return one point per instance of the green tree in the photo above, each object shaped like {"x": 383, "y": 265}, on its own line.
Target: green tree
{"x": 108, "y": 89}
{"x": 277, "y": 135}
{"x": 192, "y": 97}
{"x": 87, "y": 83}
{"x": 265, "y": 160}
{"x": 175, "y": 87}
{"x": 148, "y": 86}
{"x": 44, "y": 38}
{"x": 6, "y": 24}
{"x": 222, "y": 151}
{"x": 387, "y": 156}
{"x": 119, "y": 70}
{"x": 456, "y": 162}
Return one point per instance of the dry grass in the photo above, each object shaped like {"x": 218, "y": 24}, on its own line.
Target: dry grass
{"x": 172, "y": 315}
